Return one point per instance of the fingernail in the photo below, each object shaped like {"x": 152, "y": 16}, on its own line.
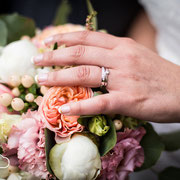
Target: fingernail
{"x": 64, "y": 109}
{"x": 37, "y": 59}
{"x": 48, "y": 40}
{"x": 42, "y": 77}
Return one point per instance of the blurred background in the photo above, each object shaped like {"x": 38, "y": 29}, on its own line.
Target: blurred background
{"x": 113, "y": 15}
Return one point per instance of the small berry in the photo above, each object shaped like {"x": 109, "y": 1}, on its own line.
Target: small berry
{"x": 5, "y": 99}
{"x": 17, "y": 104}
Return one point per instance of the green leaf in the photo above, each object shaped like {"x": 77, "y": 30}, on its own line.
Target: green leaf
{"x": 170, "y": 173}
{"x": 3, "y": 33}
{"x": 83, "y": 120}
{"x": 21, "y": 88}
{"x": 108, "y": 141}
{"x": 33, "y": 89}
{"x": 171, "y": 141}
{"x": 55, "y": 46}
{"x": 91, "y": 11}
{"x": 49, "y": 143}
{"x": 152, "y": 146}
{"x": 62, "y": 13}
{"x": 18, "y": 26}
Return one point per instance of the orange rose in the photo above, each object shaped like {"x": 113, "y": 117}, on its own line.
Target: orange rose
{"x": 63, "y": 126}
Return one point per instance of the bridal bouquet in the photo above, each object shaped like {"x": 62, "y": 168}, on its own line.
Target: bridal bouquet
{"x": 37, "y": 141}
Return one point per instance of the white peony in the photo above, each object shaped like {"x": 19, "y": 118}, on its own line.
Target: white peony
{"x": 77, "y": 159}
{"x": 15, "y": 59}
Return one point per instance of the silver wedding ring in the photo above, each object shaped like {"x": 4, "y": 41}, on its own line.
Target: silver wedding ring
{"x": 104, "y": 78}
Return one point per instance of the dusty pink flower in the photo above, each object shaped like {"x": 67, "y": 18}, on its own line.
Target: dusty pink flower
{"x": 125, "y": 156}
{"x": 27, "y": 140}
{"x": 4, "y": 89}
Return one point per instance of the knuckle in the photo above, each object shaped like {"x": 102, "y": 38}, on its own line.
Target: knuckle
{"x": 53, "y": 77}
{"x": 129, "y": 41}
{"x": 78, "y": 52}
{"x": 83, "y": 73}
{"x": 103, "y": 105}
{"x": 78, "y": 108}
{"x": 48, "y": 57}
{"x": 83, "y": 36}
{"x": 58, "y": 37}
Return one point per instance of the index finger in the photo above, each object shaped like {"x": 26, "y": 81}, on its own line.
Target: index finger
{"x": 89, "y": 38}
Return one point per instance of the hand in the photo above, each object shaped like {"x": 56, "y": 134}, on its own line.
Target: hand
{"x": 141, "y": 84}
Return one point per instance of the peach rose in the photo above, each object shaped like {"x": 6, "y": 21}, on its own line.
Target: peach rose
{"x": 63, "y": 126}
{"x": 53, "y": 30}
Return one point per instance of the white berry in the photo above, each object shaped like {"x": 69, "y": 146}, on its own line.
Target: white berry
{"x": 5, "y": 99}
{"x": 44, "y": 90}
{"x": 118, "y": 124}
{"x": 14, "y": 80}
{"x": 17, "y": 104}
{"x": 15, "y": 91}
{"x": 27, "y": 81}
{"x": 13, "y": 169}
{"x": 29, "y": 97}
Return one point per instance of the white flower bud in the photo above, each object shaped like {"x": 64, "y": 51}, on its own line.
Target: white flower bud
{"x": 27, "y": 81}
{"x": 118, "y": 124}
{"x": 5, "y": 99}
{"x": 29, "y": 97}
{"x": 76, "y": 159}
{"x": 15, "y": 91}
{"x": 14, "y": 80}
{"x": 44, "y": 90}
{"x": 17, "y": 104}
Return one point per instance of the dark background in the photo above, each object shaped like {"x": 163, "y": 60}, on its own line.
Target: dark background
{"x": 113, "y": 15}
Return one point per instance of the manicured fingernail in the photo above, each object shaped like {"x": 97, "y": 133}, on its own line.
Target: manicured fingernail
{"x": 64, "y": 109}
{"x": 48, "y": 40}
{"x": 37, "y": 59}
{"x": 42, "y": 77}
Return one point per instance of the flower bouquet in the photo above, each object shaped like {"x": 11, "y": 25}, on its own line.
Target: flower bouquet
{"x": 37, "y": 141}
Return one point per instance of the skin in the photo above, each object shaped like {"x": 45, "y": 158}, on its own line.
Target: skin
{"x": 141, "y": 84}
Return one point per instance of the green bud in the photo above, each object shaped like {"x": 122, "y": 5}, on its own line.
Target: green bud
{"x": 98, "y": 125}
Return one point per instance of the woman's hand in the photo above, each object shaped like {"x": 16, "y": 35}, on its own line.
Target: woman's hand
{"x": 141, "y": 84}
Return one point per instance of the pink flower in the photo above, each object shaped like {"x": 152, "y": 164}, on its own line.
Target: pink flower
{"x": 4, "y": 89}
{"x": 125, "y": 156}
{"x": 28, "y": 141}
{"x": 63, "y": 126}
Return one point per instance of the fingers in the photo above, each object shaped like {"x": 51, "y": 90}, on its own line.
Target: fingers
{"x": 101, "y": 104}
{"x": 87, "y": 76}
{"x": 76, "y": 55}
{"x": 88, "y": 38}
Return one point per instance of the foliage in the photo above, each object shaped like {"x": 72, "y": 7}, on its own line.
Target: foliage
{"x": 152, "y": 146}
{"x": 49, "y": 143}
{"x": 62, "y": 13}
{"x": 170, "y": 141}
{"x": 14, "y": 26}
{"x": 170, "y": 173}
{"x": 108, "y": 141}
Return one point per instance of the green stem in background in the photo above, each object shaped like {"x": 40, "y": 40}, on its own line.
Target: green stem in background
{"x": 62, "y": 13}
{"x": 91, "y": 21}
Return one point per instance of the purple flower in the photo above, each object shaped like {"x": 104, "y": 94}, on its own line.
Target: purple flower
{"x": 125, "y": 156}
